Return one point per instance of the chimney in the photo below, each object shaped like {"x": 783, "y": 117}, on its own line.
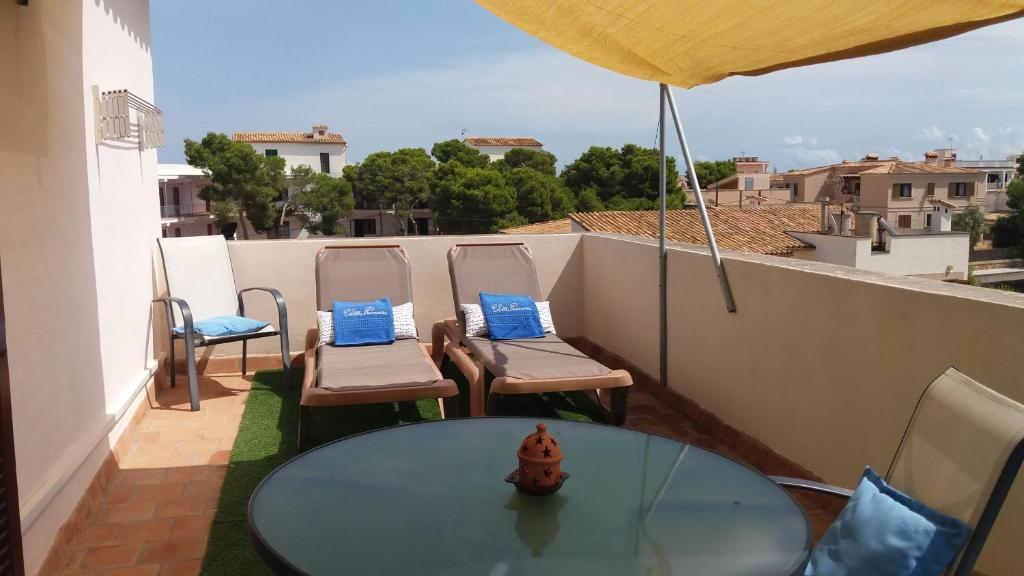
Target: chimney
{"x": 942, "y": 218}
{"x": 932, "y": 158}
{"x": 824, "y": 216}
{"x": 866, "y": 225}
{"x": 319, "y": 131}
{"x": 843, "y": 219}
{"x": 871, "y": 157}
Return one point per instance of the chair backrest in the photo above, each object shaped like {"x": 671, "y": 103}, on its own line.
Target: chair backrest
{"x": 960, "y": 454}
{"x": 355, "y": 273}
{"x": 505, "y": 268}
{"x": 198, "y": 270}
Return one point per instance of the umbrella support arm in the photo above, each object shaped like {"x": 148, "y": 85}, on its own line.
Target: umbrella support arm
{"x": 723, "y": 281}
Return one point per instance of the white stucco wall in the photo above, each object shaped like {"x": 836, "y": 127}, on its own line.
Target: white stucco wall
{"x": 307, "y": 154}
{"x": 940, "y": 256}
{"x": 496, "y": 152}
{"x": 75, "y": 246}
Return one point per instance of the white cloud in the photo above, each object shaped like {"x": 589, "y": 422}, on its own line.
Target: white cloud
{"x": 932, "y": 132}
{"x": 792, "y": 140}
{"x": 980, "y": 134}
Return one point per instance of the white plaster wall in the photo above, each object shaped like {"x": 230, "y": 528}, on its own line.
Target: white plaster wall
{"x": 496, "y": 152}
{"x": 922, "y": 255}
{"x": 74, "y": 220}
{"x": 841, "y": 250}
{"x": 307, "y": 154}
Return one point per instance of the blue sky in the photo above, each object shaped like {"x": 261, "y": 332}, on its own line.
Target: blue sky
{"x": 391, "y": 74}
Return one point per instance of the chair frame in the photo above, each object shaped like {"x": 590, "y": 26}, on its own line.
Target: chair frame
{"x": 192, "y": 342}
{"x": 483, "y": 402}
{"x": 976, "y": 542}
{"x": 445, "y": 391}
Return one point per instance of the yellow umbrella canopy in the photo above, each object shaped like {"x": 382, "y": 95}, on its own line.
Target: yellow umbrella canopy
{"x": 691, "y": 42}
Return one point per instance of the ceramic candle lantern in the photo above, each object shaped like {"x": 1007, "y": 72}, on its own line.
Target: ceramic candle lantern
{"x": 540, "y": 460}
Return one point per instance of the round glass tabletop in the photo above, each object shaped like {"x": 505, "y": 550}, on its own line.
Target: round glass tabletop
{"x": 430, "y": 499}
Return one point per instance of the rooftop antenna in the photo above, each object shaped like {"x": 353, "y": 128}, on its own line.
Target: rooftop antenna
{"x": 463, "y": 132}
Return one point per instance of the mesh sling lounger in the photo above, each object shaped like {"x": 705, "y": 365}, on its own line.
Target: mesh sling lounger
{"x": 524, "y": 366}
{"x": 200, "y": 285}
{"x": 959, "y": 454}
{"x": 346, "y": 375}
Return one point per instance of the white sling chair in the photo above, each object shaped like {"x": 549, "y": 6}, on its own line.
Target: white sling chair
{"x": 200, "y": 285}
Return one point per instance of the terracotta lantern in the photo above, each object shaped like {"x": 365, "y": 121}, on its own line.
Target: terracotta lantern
{"x": 540, "y": 460}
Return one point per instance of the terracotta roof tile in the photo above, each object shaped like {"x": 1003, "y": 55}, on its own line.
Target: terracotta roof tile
{"x": 882, "y": 167}
{"x": 287, "y": 137}
{"x": 501, "y": 141}
{"x": 759, "y": 230}
{"x": 549, "y": 227}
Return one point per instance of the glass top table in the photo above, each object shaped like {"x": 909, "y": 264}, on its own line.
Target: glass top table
{"x": 430, "y": 499}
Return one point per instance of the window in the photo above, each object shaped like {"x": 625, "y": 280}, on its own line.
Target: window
{"x": 927, "y": 220}
{"x": 856, "y": 188}
{"x": 177, "y": 232}
{"x": 748, "y": 183}
{"x": 270, "y": 152}
{"x": 903, "y": 221}
{"x": 325, "y": 162}
{"x": 209, "y": 229}
{"x": 795, "y": 187}
{"x": 163, "y": 232}
{"x": 931, "y": 188}
{"x": 960, "y": 189}
{"x": 903, "y": 190}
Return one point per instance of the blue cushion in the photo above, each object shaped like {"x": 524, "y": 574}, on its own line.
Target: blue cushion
{"x": 224, "y": 326}
{"x": 358, "y": 323}
{"x": 510, "y": 316}
{"x": 883, "y": 532}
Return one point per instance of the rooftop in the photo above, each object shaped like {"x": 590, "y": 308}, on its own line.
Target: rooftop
{"x": 758, "y": 230}
{"x": 890, "y": 166}
{"x": 501, "y": 141}
{"x": 290, "y": 137}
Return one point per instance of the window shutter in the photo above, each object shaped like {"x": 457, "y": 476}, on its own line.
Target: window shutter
{"x": 895, "y": 191}
{"x": 970, "y": 188}
{"x": 931, "y": 188}
{"x": 951, "y": 192}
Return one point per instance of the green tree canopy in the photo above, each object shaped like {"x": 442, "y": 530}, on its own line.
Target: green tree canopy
{"x": 625, "y": 179}
{"x": 473, "y": 200}
{"x": 245, "y": 184}
{"x": 398, "y": 181}
{"x": 539, "y": 196}
{"x": 971, "y": 220}
{"x": 711, "y": 171}
{"x": 538, "y": 160}
{"x": 454, "y": 150}
{"x": 324, "y": 200}
{"x": 1008, "y": 231}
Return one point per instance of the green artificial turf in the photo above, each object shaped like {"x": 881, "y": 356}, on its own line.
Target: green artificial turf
{"x": 267, "y": 438}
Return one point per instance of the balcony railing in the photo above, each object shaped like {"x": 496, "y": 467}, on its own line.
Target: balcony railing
{"x": 179, "y": 210}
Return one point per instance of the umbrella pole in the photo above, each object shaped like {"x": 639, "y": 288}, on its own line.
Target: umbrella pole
{"x": 662, "y": 250}
{"x": 723, "y": 281}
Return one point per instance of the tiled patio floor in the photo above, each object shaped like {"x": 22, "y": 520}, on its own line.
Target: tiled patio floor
{"x": 155, "y": 516}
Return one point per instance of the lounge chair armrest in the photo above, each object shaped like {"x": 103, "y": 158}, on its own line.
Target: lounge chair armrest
{"x": 801, "y": 484}
{"x": 186, "y": 314}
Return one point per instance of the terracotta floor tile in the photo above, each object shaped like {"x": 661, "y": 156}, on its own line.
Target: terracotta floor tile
{"x": 202, "y": 489}
{"x": 99, "y": 535}
{"x": 190, "y": 568}
{"x": 183, "y": 507}
{"x": 188, "y": 473}
{"x": 175, "y": 550}
{"x": 131, "y": 477}
{"x": 193, "y": 526}
{"x": 129, "y": 512}
{"x": 145, "y": 570}
{"x": 110, "y": 556}
{"x": 156, "y": 492}
{"x": 145, "y": 531}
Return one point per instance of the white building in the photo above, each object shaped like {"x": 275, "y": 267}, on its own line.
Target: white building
{"x": 182, "y": 211}
{"x": 497, "y": 146}
{"x": 319, "y": 149}
{"x": 998, "y": 174}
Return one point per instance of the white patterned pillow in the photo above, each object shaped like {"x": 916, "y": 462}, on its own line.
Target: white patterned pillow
{"x": 405, "y": 324}
{"x": 476, "y": 325}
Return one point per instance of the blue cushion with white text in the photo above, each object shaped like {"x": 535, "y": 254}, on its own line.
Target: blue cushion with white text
{"x": 510, "y": 316}
{"x": 358, "y": 323}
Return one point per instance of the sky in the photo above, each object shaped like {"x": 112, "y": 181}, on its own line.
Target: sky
{"x": 392, "y": 74}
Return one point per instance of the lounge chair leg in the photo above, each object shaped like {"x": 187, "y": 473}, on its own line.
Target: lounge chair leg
{"x": 619, "y": 400}
{"x": 305, "y": 424}
{"x": 440, "y": 405}
{"x": 193, "y": 377}
{"x": 245, "y": 350}
{"x": 492, "y": 404}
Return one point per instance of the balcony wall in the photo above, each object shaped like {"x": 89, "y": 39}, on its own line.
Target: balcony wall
{"x": 822, "y": 363}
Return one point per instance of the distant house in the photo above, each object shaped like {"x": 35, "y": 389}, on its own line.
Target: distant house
{"x": 182, "y": 211}
{"x": 319, "y": 149}
{"x": 899, "y": 191}
{"x": 998, "y": 174}
{"x": 753, "y": 185}
{"x": 497, "y": 146}
{"x": 803, "y": 231}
